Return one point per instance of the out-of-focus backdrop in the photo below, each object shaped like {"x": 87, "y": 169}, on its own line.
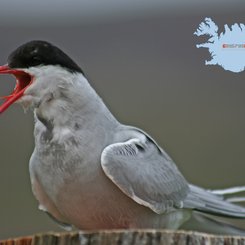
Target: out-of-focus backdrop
{"x": 141, "y": 58}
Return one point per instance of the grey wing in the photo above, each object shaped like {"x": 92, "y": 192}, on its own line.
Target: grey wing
{"x": 145, "y": 173}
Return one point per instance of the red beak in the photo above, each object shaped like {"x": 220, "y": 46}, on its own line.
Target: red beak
{"x": 23, "y": 80}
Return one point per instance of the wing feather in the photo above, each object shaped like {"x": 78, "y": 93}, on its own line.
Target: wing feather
{"x": 145, "y": 173}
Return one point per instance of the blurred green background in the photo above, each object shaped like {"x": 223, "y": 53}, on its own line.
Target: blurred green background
{"x": 141, "y": 58}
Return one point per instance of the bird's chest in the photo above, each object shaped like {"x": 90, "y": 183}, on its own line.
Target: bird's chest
{"x": 60, "y": 159}
{"x": 61, "y": 146}
{"x": 64, "y": 159}
{"x": 75, "y": 189}
{"x": 69, "y": 171}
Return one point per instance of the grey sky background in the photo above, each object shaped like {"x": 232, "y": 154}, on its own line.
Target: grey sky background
{"x": 141, "y": 58}
{"x": 64, "y": 12}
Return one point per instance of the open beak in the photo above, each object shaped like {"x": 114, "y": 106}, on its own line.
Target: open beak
{"x": 23, "y": 80}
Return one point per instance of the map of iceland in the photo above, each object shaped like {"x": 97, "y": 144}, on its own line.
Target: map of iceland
{"x": 227, "y": 49}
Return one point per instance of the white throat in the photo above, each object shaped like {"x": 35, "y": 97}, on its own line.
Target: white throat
{"x": 61, "y": 97}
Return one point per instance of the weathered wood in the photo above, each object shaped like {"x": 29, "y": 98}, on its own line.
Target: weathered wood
{"x": 126, "y": 237}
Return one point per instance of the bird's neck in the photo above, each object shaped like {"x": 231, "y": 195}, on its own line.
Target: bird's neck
{"x": 73, "y": 104}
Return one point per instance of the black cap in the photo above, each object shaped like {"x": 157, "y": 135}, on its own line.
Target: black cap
{"x": 36, "y": 53}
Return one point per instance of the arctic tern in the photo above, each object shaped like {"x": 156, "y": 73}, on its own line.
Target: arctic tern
{"x": 90, "y": 171}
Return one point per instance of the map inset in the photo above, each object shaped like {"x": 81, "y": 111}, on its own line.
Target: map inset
{"x": 227, "y": 49}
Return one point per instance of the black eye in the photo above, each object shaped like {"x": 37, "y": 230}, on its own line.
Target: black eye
{"x": 36, "y": 58}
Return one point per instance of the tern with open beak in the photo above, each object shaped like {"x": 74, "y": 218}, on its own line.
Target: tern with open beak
{"x": 92, "y": 172}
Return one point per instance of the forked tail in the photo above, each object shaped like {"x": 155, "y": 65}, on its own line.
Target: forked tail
{"x": 217, "y": 202}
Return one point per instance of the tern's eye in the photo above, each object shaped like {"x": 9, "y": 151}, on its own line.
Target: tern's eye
{"x": 36, "y": 58}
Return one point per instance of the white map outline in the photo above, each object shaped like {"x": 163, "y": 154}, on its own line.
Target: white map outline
{"x": 227, "y": 49}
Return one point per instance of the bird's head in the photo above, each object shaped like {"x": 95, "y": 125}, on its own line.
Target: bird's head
{"x": 40, "y": 68}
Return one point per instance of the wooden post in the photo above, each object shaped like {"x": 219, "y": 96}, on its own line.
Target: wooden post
{"x": 126, "y": 237}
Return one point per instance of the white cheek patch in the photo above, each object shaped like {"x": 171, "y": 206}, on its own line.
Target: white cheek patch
{"x": 46, "y": 81}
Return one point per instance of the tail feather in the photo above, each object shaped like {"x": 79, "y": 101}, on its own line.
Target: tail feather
{"x": 227, "y": 194}
{"x": 210, "y": 202}
{"x": 202, "y": 222}
{"x": 235, "y": 199}
{"x": 228, "y": 191}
